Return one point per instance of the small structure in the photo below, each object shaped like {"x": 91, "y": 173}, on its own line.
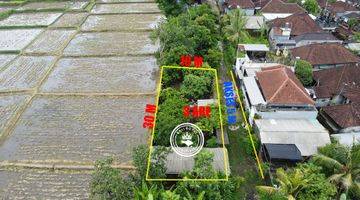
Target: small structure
{"x": 347, "y": 139}
{"x": 206, "y": 102}
{"x": 280, "y": 154}
{"x": 307, "y": 135}
{"x": 254, "y": 23}
{"x": 325, "y": 56}
{"x": 253, "y": 51}
{"x": 247, "y": 6}
{"x": 279, "y": 9}
{"x": 176, "y": 164}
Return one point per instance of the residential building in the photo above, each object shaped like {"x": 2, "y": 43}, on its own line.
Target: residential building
{"x": 338, "y": 9}
{"x": 284, "y": 30}
{"x": 325, "y": 56}
{"x": 276, "y": 93}
{"x": 332, "y": 85}
{"x": 279, "y": 9}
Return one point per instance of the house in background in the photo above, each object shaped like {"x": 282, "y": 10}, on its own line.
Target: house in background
{"x": 279, "y": 9}
{"x": 332, "y": 85}
{"x": 338, "y": 9}
{"x": 325, "y": 56}
{"x": 284, "y": 30}
{"x": 275, "y": 93}
{"x": 338, "y": 93}
{"x": 247, "y": 6}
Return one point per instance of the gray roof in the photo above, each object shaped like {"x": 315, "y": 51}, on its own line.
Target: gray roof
{"x": 177, "y": 164}
{"x": 253, "y": 91}
{"x": 253, "y": 47}
{"x": 315, "y": 36}
{"x": 307, "y": 135}
{"x": 254, "y": 22}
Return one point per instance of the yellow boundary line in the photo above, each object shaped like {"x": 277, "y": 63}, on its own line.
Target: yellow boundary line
{"x": 221, "y": 126}
{"x": 247, "y": 125}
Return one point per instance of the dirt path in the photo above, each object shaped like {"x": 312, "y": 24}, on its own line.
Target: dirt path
{"x": 74, "y": 80}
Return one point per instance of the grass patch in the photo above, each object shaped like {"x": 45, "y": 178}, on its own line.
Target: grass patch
{"x": 242, "y": 164}
{"x": 13, "y": 3}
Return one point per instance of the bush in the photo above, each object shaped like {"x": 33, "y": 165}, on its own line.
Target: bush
{"x": 108, "y": 183}
{"x": 311, "y": 6}
{"x": 212, "y": 142}
{"x": 303, "y": 71}
{"x": 196, "y": 87}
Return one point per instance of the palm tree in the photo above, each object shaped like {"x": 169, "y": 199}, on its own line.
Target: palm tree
{"x": 235, "y": 30}
{"x": 342, "y": 165}
{"x": 290, "y": 183}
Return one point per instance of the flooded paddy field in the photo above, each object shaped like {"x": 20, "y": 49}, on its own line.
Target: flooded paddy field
{"x": 25, "y": 72}
{"x": 5, "y": 59}
{"x": 30, "y": 19}
{"x": 110, "y": 43}
{"x": 112, "y": 74}
{"x": 17, "y": 39}
{"x": 78, "y": 129}
{"x": 9, "y": 105}
{"x": 50, "y": 41}
{"x": 121, "y": 22}
{"x": 72, "y": 92}
{"x": 71, "y": 5}
{"x": 124, "y": 8}
{"x": 43, "y": 184}
{"x": 69, "y": 20}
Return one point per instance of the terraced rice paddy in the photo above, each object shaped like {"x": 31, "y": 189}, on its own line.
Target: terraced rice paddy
{"x": 73, "y": 86}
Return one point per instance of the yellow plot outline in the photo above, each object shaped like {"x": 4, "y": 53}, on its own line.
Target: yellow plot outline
{"x": 221, "y": 127}
{"x": 247, "y": 126}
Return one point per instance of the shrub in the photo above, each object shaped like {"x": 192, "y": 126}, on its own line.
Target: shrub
{"x": 303, "y": 71}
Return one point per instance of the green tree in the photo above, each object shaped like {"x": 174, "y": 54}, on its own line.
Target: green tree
{"x": 235, "y": 29}
{"x": 353, "y": 22}
{"x": 311, "y": 6}
{"x": 146, "y": 193}
{"x": 158, "y": 162}
{"x": 108, "y": 183}
{"x": 196, "y": 87}
{"x": 170, "y": 114}
{"x": 303, "y": 182}
{"x": 342, "y": 165}
{"x": 303, "y": 71}
{"x": 171, "y": 7}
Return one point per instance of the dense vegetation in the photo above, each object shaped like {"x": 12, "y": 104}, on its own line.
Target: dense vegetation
{"x": 194, "y": 32}
{"x": 304, "y": 72}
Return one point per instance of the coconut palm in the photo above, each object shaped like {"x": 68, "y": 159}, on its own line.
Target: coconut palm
{"x": 290, "y": 184}
{"x": 341, "y": 164}
{"x": 235, "y": 30}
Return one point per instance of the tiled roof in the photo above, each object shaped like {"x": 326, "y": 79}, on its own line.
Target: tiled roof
{"x": 278, "y": 6}
{"x": 340, "y": 7}
{"x": 280, "y": 86}
{"x": 300, "y": 23}
{"x": 347, "y": 115}
{"x": 241, "y": 4}
{"x": 340, "y": 79}
{"x": 260, "y": 3}
{"x": 321, "y": 54}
